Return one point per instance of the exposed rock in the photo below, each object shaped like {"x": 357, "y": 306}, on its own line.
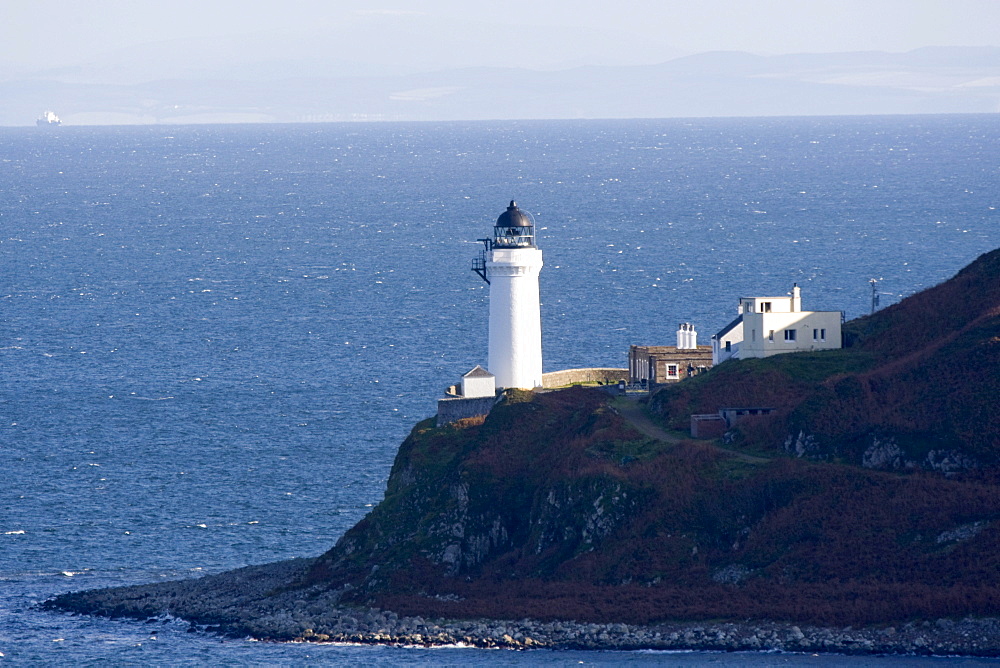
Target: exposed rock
{"x": 251, "y": 602}
{"x": 802, "y": 445}
{"x": 732, "y": 574}
{"x": 949, "y": 461}
{"x": 884, "y": 455}
{"x": 962, "y": 533}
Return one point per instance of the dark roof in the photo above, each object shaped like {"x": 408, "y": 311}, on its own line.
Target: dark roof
{"x": 728, "y": 328}
{"x": 514, "y": 217}
{"x": 478, "y": 372}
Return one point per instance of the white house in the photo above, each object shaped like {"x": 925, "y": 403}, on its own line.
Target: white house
{"x": 769, "y": 326}
{"x": 726, "y": 344}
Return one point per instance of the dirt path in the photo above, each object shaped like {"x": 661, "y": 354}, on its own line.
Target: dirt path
{"x": 637, "y": 417}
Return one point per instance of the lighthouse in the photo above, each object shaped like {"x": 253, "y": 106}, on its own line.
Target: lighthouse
{"x": 510, "y": 264}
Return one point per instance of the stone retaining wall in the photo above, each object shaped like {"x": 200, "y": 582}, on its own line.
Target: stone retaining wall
{"x": 451, "y": 410}
{"x": 594, "y": 375}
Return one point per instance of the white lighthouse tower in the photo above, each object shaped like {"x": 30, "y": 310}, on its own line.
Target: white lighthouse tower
{"x": 510, "y": 264}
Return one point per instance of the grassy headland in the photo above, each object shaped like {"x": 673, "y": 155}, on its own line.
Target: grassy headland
{"x": 870, "y": 497}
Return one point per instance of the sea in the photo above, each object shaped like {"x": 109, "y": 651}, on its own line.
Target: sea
{"x": 214, "y": 338}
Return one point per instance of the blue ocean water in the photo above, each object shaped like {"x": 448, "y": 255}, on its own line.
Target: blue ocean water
{"x": 213, "y": 338}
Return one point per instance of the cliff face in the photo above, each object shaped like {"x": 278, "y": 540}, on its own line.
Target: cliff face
{"x": 538, "y": 481}
{"x": 554, "y": 507}
{"x": 916, "y": 387}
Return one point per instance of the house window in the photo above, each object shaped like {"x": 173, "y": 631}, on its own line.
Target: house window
{"x": 671, "y": 371}
{"x": 770, "y": 335}
{"x": 765, "y": 307}
{"x": 815, "y": 335}
{"x": 789, "y": 335}
{"x": 822, "y": 335}
{"x": 729, "y": 346}
{"x": 753, "y": 334}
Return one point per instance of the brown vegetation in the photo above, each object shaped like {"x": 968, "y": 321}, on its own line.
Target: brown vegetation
{"x": 555, "y": 507}
{"x": 694, "y": 534}
{"x": 923, "y": 375}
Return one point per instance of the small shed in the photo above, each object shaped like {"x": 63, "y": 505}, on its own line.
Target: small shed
{"x": 733, "y": 416}
{"x": 479, "y": 383}
{"x": 709, "y": 426}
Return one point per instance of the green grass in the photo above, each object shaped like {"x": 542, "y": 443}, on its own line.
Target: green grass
{"x": 733, "y": 468}
{"x": 815, "y": 367}
{"x": 624, "y": 452}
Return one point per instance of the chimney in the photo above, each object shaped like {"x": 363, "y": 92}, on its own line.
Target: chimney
{"x": 796, "y": 298}
{"x": 687, "y": 338}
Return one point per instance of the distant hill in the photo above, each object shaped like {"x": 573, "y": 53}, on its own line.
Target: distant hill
{"x": 925, "y": 81}
{"x": 916, "y": 387}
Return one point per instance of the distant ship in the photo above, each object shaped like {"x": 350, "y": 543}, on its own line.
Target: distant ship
{"x": 48, "y": 119}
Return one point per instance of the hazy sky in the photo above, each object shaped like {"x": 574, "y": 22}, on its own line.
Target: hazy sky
{"x": 47, "y": 33}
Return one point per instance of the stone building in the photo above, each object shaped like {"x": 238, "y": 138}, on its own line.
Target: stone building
{"x": 659, "y": 365}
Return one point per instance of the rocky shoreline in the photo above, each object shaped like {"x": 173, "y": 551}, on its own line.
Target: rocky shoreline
{"x": 254, "y": 602}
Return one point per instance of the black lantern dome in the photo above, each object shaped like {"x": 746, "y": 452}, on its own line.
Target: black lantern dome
{"x": 514, "y": 229}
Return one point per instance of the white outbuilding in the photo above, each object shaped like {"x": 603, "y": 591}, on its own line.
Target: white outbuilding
{"x": 478, "y": 383}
